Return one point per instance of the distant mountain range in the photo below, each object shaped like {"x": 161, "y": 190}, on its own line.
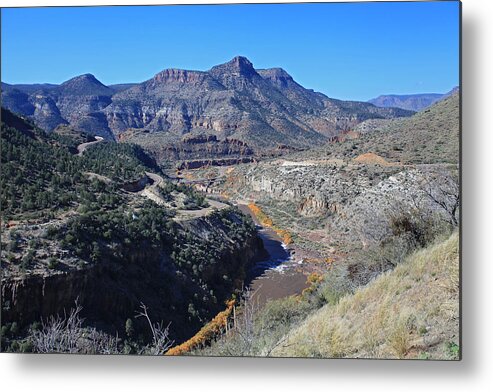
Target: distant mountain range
{"x": 264, "y": 108}
{"x": 416, "y": 102}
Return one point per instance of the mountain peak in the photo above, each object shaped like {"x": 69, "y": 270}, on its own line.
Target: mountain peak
{"x": 84, "y": 78}
{"x": 241, "y": 62}
{"x": 239, "y": 65}
{"x": 85, "y": 84}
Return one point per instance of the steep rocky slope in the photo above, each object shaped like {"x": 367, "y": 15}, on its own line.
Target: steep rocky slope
{"x": 430, "y": 136}
{"x": 77, "y": 102}
{"x": 111, "y": 290}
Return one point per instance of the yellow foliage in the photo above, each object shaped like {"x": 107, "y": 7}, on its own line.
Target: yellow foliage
{"x": 313, "y": 280}
{"x": 314, "y": 277}
{"x": 207, "y": 332}
{"x": 266, "y": 221}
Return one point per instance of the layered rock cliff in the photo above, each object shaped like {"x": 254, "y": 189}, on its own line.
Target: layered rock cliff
{"x": 195, "y": 148}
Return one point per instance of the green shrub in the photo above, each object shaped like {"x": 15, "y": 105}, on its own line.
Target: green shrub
{"x": 453, "y": 350}
{"x": 129, "y": 328}
{"x": 26, "y": 346}
{"x": 53, "y": 263}
{"x": 14, "y": 328}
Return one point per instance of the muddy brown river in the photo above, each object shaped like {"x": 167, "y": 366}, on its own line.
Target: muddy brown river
{"x": 278, "y": 275}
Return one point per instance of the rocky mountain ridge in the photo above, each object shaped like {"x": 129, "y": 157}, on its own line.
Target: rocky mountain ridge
{"x": 416, "y": 102}
{"x": 263, "y": 108}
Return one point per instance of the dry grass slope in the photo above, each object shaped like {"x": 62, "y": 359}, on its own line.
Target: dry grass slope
{"x": 411, "y": 312}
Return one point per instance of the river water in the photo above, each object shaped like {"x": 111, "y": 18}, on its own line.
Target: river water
{"x": 278, "y": 275}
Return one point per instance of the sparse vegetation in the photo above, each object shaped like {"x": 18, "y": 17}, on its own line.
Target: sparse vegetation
{"x": 192, "y": 200}
{"x": 368, "y": 323}
{"x": 39, "y": 172}
{"x": 255, "y": 331}
{"x": 430, "y": 136}
{"x": 68, "y": 334}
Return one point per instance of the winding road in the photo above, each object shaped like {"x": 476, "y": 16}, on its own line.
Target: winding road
{"x": 150, "y": 191}
{"x": 153, "y": 194}
{"x": 82, "y": 147}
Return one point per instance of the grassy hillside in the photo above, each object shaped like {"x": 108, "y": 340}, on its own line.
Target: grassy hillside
{"x": 410, "y": 312}
{"x": 430, "y": 136}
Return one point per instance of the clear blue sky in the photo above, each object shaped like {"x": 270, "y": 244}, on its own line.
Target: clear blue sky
{"x": 345, "y": 50}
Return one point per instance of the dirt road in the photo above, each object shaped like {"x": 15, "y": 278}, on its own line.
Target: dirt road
{"x": 82, "y": 147}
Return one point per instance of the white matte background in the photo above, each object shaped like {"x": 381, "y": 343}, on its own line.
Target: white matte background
{"x": 474, "y": 373}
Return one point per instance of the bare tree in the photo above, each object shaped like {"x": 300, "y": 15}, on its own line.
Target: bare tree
{"x": 67, "y": 335}
{"x": 244, "y": 325}
{"x": 441, "y": 187}
{"x": 160, "y": 335}
{"x": 248, "y": 336}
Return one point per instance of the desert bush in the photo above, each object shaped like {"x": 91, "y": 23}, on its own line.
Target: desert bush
{"x": 336, "y": 284}
{"x": 441, "y": 188}
{"x": 53, "y": 262}
{"x": 399, "y": 338}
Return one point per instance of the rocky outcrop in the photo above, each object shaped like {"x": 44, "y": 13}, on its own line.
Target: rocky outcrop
{"x": 314, "y": 205}
{"x": 197, "y": 164}
{"x": 314, "y": 189}
{"x": 138, "y": 185}
{"x": 194, "y": 147}
{"x": 46, "y": 113}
